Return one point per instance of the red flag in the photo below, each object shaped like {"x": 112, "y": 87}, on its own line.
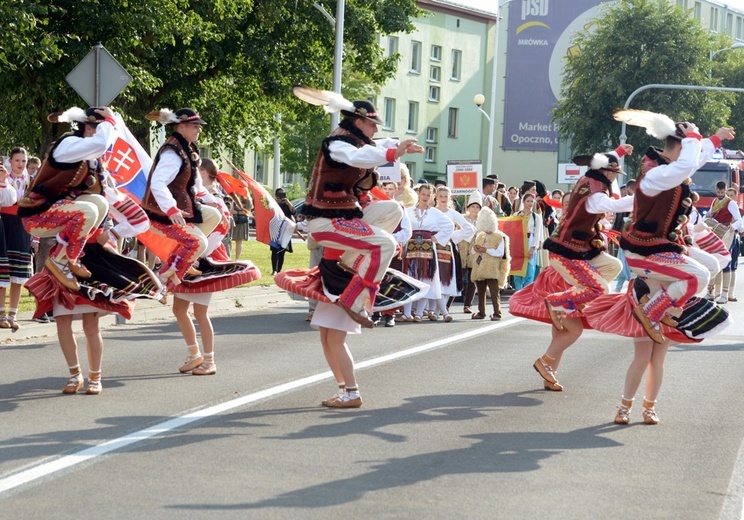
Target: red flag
{"x": 272, "y": 226}
{"x": 232, "y": 185}
{"x": 516, "y": 229}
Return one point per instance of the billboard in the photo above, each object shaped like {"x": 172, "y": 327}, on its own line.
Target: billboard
{"x": 539, "y": 37}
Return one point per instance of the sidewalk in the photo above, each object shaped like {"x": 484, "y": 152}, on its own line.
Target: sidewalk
{"x": 235, "y": 300}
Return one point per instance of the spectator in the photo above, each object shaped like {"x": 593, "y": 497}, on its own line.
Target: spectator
{"x": 241, "y": 230}
{"x": 277, "y": 253}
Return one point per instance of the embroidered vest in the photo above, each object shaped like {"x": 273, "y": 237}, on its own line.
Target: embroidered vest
{"x": 658, "y": 221}
{"x": 722, "y": 215}
{"x": 56, "y": 181}
{"x": 577, "y": 236}
{"x": 182, "y": 187}
{"x": 331, "y": 193}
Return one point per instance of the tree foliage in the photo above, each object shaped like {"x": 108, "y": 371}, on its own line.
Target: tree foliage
{"x": 637, "y": 43}
{"x": 232, "y": 60}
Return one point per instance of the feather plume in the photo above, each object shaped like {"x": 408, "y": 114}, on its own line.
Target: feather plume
{"x": 656, "y": 125}
{"x": 331, "y": 102}
{"x": 599, "y": 161}
{"x": 164, "y": 116}
{"x": 72, "y": 115}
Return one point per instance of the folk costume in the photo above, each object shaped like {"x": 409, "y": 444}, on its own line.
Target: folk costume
{"x": 577, "y": 248}
{"x": 430, "y": 230}
{"x": 344, "y": 169}
{"x": 65, "y": 199}
{"x": 8, "y": 197}
{"x": 468, "y": 287}
{"x": 726, "y": 221}
{"x": 449, "y": 263}
{"x": 171, "y": 188}
{"x": 653, "y": 242}
{"x": 490, "y": 265}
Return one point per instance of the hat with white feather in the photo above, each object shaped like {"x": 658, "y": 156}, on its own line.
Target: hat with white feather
{"x": 168, "y": 117}
{"x": 659, "y": 126}
{"x": 600, "y": 161}
{"x": 333, "y": 102}
{"x": 77, "y": 115}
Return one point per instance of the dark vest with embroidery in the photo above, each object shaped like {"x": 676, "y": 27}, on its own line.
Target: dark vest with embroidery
{"x": 182, "y": 187}
{"x": 657, "y": 221}
{"x": 57, "y": 180}
{"x": 577, "y": 236}
{"x": 333, "y": 187}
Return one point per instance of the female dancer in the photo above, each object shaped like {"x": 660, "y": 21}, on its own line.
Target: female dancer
{"x": 429, "y": 227}
{"x": 450, "y": 273}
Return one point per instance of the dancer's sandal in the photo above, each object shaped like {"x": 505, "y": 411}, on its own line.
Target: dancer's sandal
{"x": 192, "y": 361}
{"x": 74, "y": 384}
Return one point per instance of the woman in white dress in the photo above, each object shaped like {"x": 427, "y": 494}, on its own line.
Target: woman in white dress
{"x": 446, "y": 254}
{"x": 429, "y": 227}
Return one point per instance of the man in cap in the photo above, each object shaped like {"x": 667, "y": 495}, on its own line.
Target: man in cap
{"x": 578, "y": 253}
{"x": 488, "y": 185}
{"x": 343, "y": 174}
{"x": 65, "y": 199}
{"x": 652, "y": 241}
{"x": 170, "y": 197}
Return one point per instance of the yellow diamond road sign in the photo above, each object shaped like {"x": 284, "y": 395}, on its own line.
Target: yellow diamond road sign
{"x": 98, "y": 78}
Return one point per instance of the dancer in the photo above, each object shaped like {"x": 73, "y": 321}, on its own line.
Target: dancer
{"x": 345, "y": 167}
{"x": 170, "y": 196}
{"x": 448, "y": 256}
{"x": 473, "y": 207}
{"x": 64, "y": 200}
{"x": 662, "y": 197}
{"x": 580, "y": 269}
{"x": 429, "y": 228}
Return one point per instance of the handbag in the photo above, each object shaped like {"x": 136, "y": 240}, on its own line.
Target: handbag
{"x": 241, "y": 218}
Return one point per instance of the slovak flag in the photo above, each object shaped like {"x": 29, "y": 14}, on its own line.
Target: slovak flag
{"x": 128, "y": 163}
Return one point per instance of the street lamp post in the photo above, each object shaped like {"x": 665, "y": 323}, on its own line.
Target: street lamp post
{"x": 712, "y": 53}
{"x": 492, "y": 108}
{"x": 338, "y": 49}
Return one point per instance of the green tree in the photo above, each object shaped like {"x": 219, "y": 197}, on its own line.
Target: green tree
{"x": 233, "y": 60}
{"x": 636, "y": 43}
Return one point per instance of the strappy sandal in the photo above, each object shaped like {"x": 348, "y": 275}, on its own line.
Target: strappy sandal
{"x": 74, "y": 384}
{"x": 205, "y": 369}
{"x": 94, "y": 387}
{"x": 477, "y": 316}
{"x": 495, "y": 318}
{"x": 12, "y": 323}
{"x": 416, "y": 318}
{"x": 4, "y": 323}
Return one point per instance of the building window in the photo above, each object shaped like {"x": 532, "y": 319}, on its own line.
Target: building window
{"x": 714, "y": 19}
{"x": 412, "y": 117}
{"x": 435, "y": 73}
{"x": 392, "y": 47}
{"x": 436, "y": 53}
{"x": 389, "y": 114}
{"x": 730, "y": 24}
{"x": 698, "y": 11}
{"x": 456, "y": 64}
{"x": 739, "y": 28}
{"x": 431, "y": 154}
{"x": 434, "y": 93}
{"x": 416, "y": 57}
{"x": 411, "y": 170}
{"x": 431, "y": 134}
{"x": 452, "y": 125}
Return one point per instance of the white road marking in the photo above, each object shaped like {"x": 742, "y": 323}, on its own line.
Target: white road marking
{"x": 14, "y": 480}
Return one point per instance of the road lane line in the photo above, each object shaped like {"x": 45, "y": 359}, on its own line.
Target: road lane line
{"x": 13, "y": 480}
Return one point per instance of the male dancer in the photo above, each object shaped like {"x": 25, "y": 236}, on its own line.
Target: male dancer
{"x": 170, "y": 197}
{"x": 725, "y": 213}
{"x": 343, "y": 169}
{"x": 65, "y": 199}
{"x": 652, "y": 240}
{"x": 578, "y": 254}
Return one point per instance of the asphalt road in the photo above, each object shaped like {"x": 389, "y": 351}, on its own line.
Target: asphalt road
{"x": 455, "y": 424}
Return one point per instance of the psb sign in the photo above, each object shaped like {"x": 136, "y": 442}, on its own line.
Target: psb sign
{"x": 98, "y": 78}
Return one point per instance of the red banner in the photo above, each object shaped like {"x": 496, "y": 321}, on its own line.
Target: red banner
{"x": 516, "y": 229}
